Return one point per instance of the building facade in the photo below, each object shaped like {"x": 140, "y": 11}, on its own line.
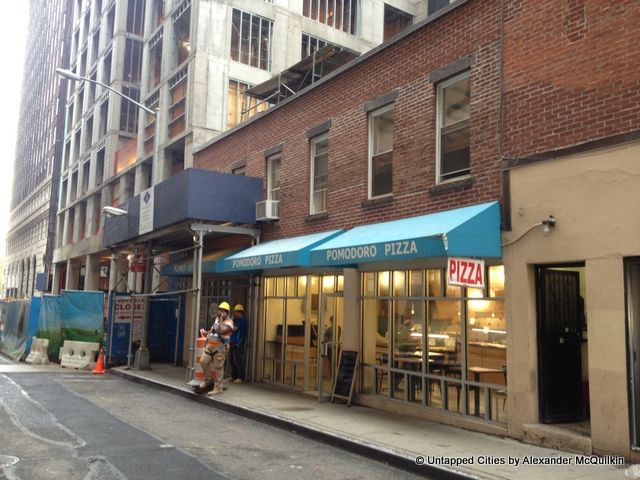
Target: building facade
{"x": 532, "y": 105}
{"x": 38, "y": 151}
{"x": 570, "y": 147}
{"x": 191, "y": 62}
{"x": 381, "y": 172}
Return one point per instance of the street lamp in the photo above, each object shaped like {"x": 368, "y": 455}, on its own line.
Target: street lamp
{"x": 113, "y": 211}
{"x": 142, "y": 354}
{"x": 154, "y": 162}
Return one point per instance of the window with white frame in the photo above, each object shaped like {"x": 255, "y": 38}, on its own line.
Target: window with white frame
{"x": 319, "y": 173}
{"x": 381, "y": 151}
{"x": 453, "y": 151}
{"x": 273, "y": 176}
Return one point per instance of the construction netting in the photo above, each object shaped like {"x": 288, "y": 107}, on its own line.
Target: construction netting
{"x": 72, "y": 315}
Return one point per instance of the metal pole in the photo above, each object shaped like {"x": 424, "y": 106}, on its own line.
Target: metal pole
{"x": 110, "y": 325}
{"x": 197, "y": 280}
{"x": 155, "y": 162}
{"x": 141, "y": 361}
{"x": 132, "y": 302}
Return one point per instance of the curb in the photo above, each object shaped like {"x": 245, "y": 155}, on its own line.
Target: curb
{"x": 369, "y": 451}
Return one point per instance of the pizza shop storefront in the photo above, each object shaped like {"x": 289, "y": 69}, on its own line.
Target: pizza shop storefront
{"x": 423, "y": 304}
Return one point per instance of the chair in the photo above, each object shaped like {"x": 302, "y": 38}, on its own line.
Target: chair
{"x": 382, "y": 359}
{"x": 503, "y": 391}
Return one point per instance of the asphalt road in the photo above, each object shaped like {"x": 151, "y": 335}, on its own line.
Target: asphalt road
{"x": 74, "y": 425}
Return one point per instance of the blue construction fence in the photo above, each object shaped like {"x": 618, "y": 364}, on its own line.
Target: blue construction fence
{"x": 72, "y": 315}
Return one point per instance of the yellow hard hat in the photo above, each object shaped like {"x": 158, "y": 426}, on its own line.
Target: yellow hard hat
{"x": 239, "y": 307}
{"x": 224, "y": 306}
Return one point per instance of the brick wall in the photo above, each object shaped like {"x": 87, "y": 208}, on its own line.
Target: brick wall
{"x": 572, "y": 72}
{"x": 405, "y": 65}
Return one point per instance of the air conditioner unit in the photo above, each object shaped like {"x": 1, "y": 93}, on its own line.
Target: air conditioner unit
{"x": 267, "y": 210}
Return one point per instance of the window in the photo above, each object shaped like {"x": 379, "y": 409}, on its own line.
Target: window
{"x": 157, "y": 12}
{"x": 91, "y": 90}
{"x": 240, "y": 106}
{"x": 104, "y": 116}
{"x": 273, "y": 177}
{"x": 251, "y": 39}
{"x": 99, "y": 167}
{"x": 106, "y": 69}
{"x": 111, "y": 24}
{"x": 177, "y": 107}
{"x": 395, "y": 21}
{"x": 182, "y": 32}
{"x": 155, "y": 54}
{"x": 453, "y": 128}
{"x": 88, "y": 134}
{"x": 311, "y": 44}
{"x": 129, "y": 111}
{"x": 319, "y": 172}
{"x": 132, "y": 61}
{"x": 150, "y": 123}
{"x": 381, "y": 151}
{"x": 340, "y": 14}
{"x": 135, "y": 17}
{"x": 455, "y": 333}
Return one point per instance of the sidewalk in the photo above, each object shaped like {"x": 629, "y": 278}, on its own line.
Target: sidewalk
{"x": 395, "y": 439}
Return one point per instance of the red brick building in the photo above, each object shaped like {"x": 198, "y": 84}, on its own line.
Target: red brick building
{"x": 535, "y": 105}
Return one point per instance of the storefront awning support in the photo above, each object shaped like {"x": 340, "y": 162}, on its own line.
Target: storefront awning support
{"x": 197, "y": 282}
{"x": 199, "y": 230}
{"x": 226, "y": 229}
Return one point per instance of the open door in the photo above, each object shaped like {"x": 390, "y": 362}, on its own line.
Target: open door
{"x": 559, "y": 345}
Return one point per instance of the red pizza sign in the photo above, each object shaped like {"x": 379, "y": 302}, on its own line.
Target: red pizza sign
{"x": 466, "y": 272}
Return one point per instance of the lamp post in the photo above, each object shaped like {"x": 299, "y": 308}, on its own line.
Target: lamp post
{"x": 142, "y": 355}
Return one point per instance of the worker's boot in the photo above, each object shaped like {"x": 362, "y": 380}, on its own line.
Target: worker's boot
{"x": 204, "y": 387}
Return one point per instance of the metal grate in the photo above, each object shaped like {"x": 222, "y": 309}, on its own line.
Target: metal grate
{"x": 8, "y": 460}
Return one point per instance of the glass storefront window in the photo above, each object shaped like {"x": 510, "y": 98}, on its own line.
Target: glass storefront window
{"x": 368, "y": 284}
{"x": 434, "y": 282}
{"x": 433, "y": 345}
{"x": 496, "y": 281}
{"x": 399, "y": 284}
{"x": 291, "y": 286}
{"x": 302, "y": 285}
{"x": 383, "y": 284}
{"x": 294, "y": 306}
{"x": 416, "y": 285}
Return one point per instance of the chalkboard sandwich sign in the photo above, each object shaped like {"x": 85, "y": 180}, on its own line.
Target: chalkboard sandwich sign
{"x": 345, "y": 377}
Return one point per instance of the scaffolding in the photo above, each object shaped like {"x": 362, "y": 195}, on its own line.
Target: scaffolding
{"x": 296, "y": 78}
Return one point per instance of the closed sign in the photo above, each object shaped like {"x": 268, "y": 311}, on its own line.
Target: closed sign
{"x": 466, "y": 272}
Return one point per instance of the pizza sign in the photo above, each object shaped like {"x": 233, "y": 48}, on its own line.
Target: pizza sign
{"x": 466, "y": 272}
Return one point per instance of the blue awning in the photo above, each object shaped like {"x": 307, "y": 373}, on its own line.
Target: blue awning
{"x": 287, "y": 252}
{"x": 185, "y": 267}
{"x": 464, "y": 232}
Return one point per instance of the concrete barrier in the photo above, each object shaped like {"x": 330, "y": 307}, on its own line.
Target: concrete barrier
{"x": 78, "y": 355}
{"x": 38, "y": 353}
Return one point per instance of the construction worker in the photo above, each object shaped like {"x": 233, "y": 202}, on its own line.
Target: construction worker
{"x": 215, "y": 353}
{"x": 237, "y": 343}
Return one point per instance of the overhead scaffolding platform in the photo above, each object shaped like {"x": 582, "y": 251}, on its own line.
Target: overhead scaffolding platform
{"x": 299, "y": 76}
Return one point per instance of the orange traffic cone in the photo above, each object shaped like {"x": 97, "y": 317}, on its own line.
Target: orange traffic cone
{"x": 100, "y": 365}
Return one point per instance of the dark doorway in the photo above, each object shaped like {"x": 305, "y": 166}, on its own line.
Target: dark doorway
{"x": 632, "y": 291}
{"x": 166, "y": 329}
{"x": 561, "y": 322}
